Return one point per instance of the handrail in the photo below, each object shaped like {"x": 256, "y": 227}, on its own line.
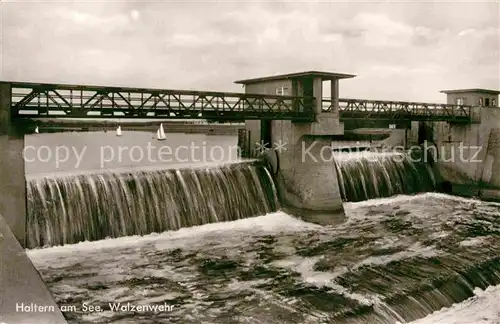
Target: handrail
{"x": 77, "y": 101}
{"x": 363, "y": 108}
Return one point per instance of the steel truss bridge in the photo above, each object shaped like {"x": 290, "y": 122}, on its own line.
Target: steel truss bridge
{"x": 34, "y": 100}
{"x": 399, "y": 110}
{"x": 77, "y": 101}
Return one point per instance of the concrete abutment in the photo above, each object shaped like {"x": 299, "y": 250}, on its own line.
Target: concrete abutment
{"x": 12, "y": 175}
{"x": 468, "y": 153}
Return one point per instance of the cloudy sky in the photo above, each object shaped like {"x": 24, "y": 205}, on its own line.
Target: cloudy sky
{"x": 398, "y": 50}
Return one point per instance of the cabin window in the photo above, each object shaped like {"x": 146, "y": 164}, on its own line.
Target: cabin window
{"x": 487, "y": 102}
{"x": 460, "y": 101}
{"x": 281, "y": 91}
{"x": 480, "y": 101}
{"x": 493, "y": 103}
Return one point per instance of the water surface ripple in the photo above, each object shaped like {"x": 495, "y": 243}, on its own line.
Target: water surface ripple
{"x": 395, "y": 259}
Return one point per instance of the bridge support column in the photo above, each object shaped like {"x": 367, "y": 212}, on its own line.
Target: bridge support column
{"x": 305, "y": 172}
{"x": 12, "y": 174}
{"x": 412, "y": 134}
{"x": 335, "y": 95}
{"x": 253, "y": 129}
{"x": 306, "y": 179}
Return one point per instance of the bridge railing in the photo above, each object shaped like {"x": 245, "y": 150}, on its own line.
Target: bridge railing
{"x": 397, "y": 110}
{"x": 55, "y": 101}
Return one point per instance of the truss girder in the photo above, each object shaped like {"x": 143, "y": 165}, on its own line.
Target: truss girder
{"x": 52, "y": 101}
{"x": 398, "y": 110}
{"x": 41, "y": 100}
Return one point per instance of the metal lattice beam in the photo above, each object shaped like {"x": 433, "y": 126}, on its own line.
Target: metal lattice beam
{"x": 77, "y": 101}
{"x": 399, "y": 110}
{"x": 56, "y": 101}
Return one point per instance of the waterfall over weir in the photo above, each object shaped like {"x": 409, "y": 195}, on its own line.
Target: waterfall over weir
{"x": 74, "y": 208}
{"x": 367, "y": 175}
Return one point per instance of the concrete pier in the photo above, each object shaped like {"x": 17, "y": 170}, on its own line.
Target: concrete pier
{"x": 308, "y": 183}
{"x": 12, "y": 175}
{"x": 306, "y": 179}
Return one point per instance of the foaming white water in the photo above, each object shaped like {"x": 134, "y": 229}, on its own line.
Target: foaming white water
{"x": 305, "y": 266}
{"x": 473, "y": 241}
{"x": 374, "y": 156}
{"x": 483, "y": 308}
{"x": 278, "y": 269}
{"x": 235, "y": 231}
{"x": 271, "y": 223}
{"x": 416, "y": 250}
{"x": 409, "y": 198}
{"x": 266, "y": 224}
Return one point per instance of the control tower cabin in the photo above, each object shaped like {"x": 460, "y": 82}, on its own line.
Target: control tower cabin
{"x": 307, "y": 84}
{"x": 472, "y": 97}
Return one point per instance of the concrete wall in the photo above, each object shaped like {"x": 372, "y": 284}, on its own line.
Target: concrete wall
{"x": 397, "y": 138}
{"x": 269, "y": 87}
{"x": 466, "y": 154}
{"x": 492, "y": 159}
{"x": 21, "y": 284}
{"x": 12, "y": 175}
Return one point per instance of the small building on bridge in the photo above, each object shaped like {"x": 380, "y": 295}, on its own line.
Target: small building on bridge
{"x": 309, "y": 86}
{"x": 472, "y": 97}
{"x": 303, "y": 84}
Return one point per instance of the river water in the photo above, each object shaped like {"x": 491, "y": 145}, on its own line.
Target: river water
{"x": 396, "y": 259}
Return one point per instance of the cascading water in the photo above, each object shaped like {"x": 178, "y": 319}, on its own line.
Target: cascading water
{"x": 418, "y": 254}
{"x": 367, "y": 175}
{"x": 70, "y": 209}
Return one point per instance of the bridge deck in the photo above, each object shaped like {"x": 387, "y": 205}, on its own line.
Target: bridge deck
{"x": 399, "y": 110}
{"x": 77, "y": 101}
{"x": 35, "y": 100}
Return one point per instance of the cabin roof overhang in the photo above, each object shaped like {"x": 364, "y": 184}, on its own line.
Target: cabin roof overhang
{"x": 298, "y": 75}
{"x": 486, "y": 91}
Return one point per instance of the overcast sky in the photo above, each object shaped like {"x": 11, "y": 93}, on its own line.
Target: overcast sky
{"x": 398, "y": 50}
